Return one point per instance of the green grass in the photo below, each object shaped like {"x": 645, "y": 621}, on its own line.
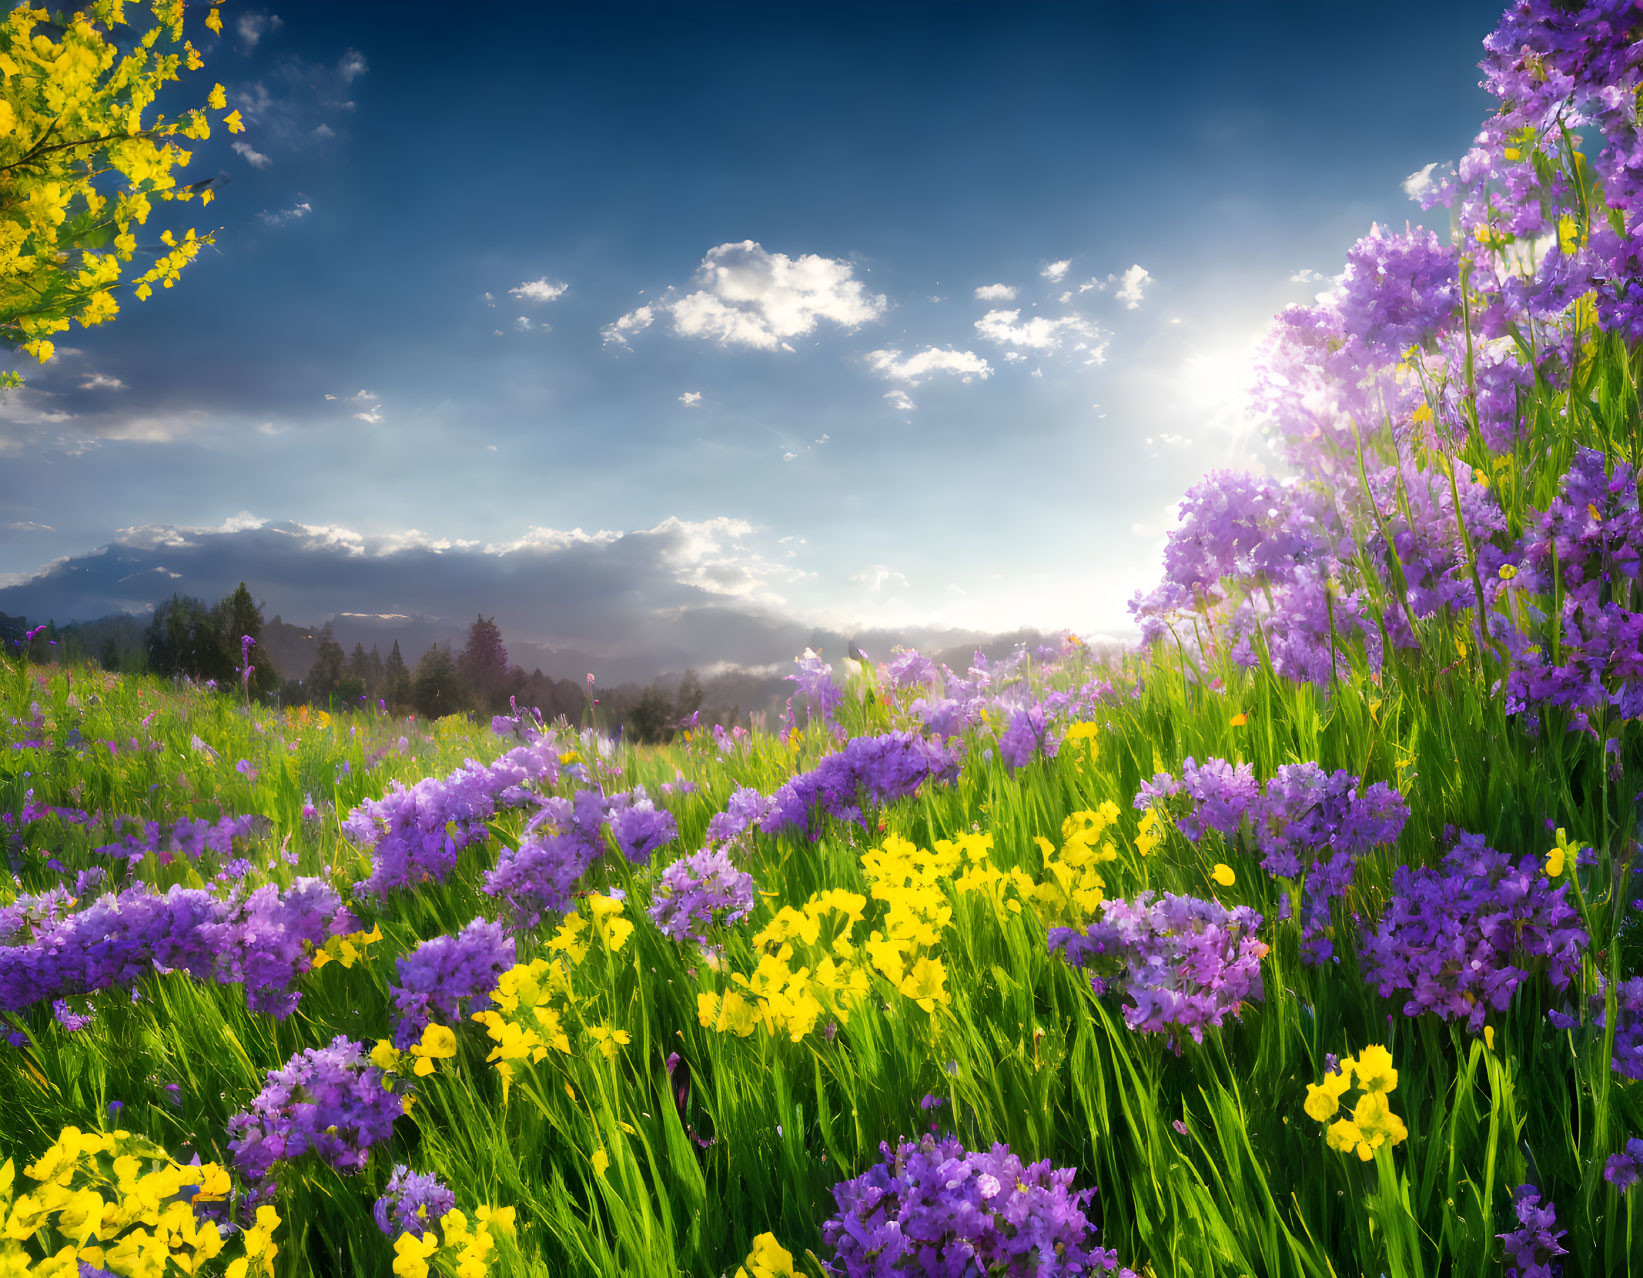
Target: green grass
{"x": 1204, "y": 1161}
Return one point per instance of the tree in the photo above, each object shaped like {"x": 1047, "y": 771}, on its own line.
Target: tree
{"x": 240, "y": 616}
{"x": 79, "y": 170}
{"x": 484, "y": 664}
{"x": 185, "y": 638}
{"x": 438, "y": 688}
{"x": 326, "y": 675}
{"x": 396, "y": 680}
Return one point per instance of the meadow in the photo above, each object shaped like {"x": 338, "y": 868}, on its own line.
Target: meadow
{"x": 1305, "y": 938}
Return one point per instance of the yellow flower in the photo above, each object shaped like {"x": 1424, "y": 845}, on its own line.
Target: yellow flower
{"x": 601, "y": 1162}
{"x": 1507, "y": 572}
{"x": 1324, "y": 1099}
{"x": 411, "y": 1254}
{"x": 925, "y": 983}
{"x": 1239, "y": 720}
{"x": 438, "y": 1043}
{"x": 608, "y": 1039}
{"x": 768, "y": 1259}
{"x": 1223, "y": 874}
{"x": 217, "y": 100}
{"x": 1374, "y": 1070}
{"x": 1554, "y": 863}
{"x": 236, "y": 125}
{"x": 1377, "y": 1124}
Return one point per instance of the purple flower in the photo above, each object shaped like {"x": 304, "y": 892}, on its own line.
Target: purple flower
{"x": 1461, "y": 941}
{"x": 869, "y": 771}
{"x": 441, "y": 973}
{"x": 699, "y": 892}
{"x": 1625, "y": 1168}
{"x": 1532, "y": 1247}
{"x": 935, "y": 1208}
{"x": 327, "y": 1100}
{"x": 639, "y": 827}
{"x": 815, "y": 680}
{"x": 1183, "y": 962}
{"x": 413, "y": 1202}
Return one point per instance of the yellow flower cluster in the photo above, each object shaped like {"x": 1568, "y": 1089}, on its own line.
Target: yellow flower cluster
{"x": 468, "y": 1250}
{"x": 788, "y": 999}
{"x": 1072, "y": 888}
{"x": 348, "y": 949}
{"x": 1372, "y": 1123}
{"x": 532, "y": 1004}
{"x": 71, "y": 112}
{"x": 95, "y": 1197}
{"x": 768, "y": 1259}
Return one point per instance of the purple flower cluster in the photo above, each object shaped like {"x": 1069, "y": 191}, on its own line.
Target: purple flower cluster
{"x": 1623, "y": 1170}
{"x": 190, "y": 837}
{"x": 1331, "y": 819}
{"x": 328, "y": 1100}
{"x": 1183, "y": 962}
{"x": 815, "y": 680}
{"x": 416, "y": 833}
{"x": 639, "y": 826}
{"x": 869, "y": 771}
{"x": 1532, "y": 1247}
{"x": 909, "y": 668}
{"x": 1462, "y": 940}
{"x": 699, "y": 892}
{"x": 413, "y": 1202}
{"x": 439, "y": 974}
{"x": 746, "y": 808}
{"x": 262, "y": 941}
{"x": 1029, "y": 733}
{"x": 1588, "y": 542}
{"x": 564, "y": 838}
{"x": 1628, "y": 1029}
{"x": 934, "y": 1208}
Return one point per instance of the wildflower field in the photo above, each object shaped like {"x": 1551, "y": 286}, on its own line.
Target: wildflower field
{"x": 1305, "y": 938}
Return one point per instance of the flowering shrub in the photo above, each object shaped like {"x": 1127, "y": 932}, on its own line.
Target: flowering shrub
{"x": 935, "y": 1208}
{"x": 1461, "y": 941}
{"x": 1182, "y": 962}
{"x": 326, "y": 1100}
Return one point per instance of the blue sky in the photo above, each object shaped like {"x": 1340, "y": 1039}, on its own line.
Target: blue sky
{"x": 404, "y": 339}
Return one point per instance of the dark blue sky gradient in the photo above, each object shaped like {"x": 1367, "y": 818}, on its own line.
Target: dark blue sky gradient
{"x": 936, "y": 148}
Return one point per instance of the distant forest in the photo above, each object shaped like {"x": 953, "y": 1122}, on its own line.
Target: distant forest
{"x": 290, "y": 665}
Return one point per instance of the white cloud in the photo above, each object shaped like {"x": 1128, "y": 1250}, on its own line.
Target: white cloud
{"x": 255, "y": 158}
{"x": 27, "y": 526}
{"x": 361, "y": 397}
{"x": 691, "y": 398}
{"x": 523, "y": 324}
{"x": 1130, "y": 285}
{"x": 1055, "y": 270}
{"x": 745, "y": 296}
{"x": 1420, "y": 183}
{"x": 251, "y": 27}
{"x": 1306, "y": 275}
{"x": 490, "y": 300}
{"x": 373, "y": 414}
{"x": 101, "y": 381}
{"x": 1133, "y": 285}
{"x": 995, "y": 293}
{"x": 900, "y": 400}
{"x": 877, "y": 576}
{"x": 1039, "y": 333}
{"x": 352, "y": 66}
{"x": 915, "y": 368}
{"x": 636, "y": 321}
{"x": 324, "y": 131}
{"x": 281, "y": 216}
{"x": 542, "y": 290}
{"x": 787, "y": 457}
